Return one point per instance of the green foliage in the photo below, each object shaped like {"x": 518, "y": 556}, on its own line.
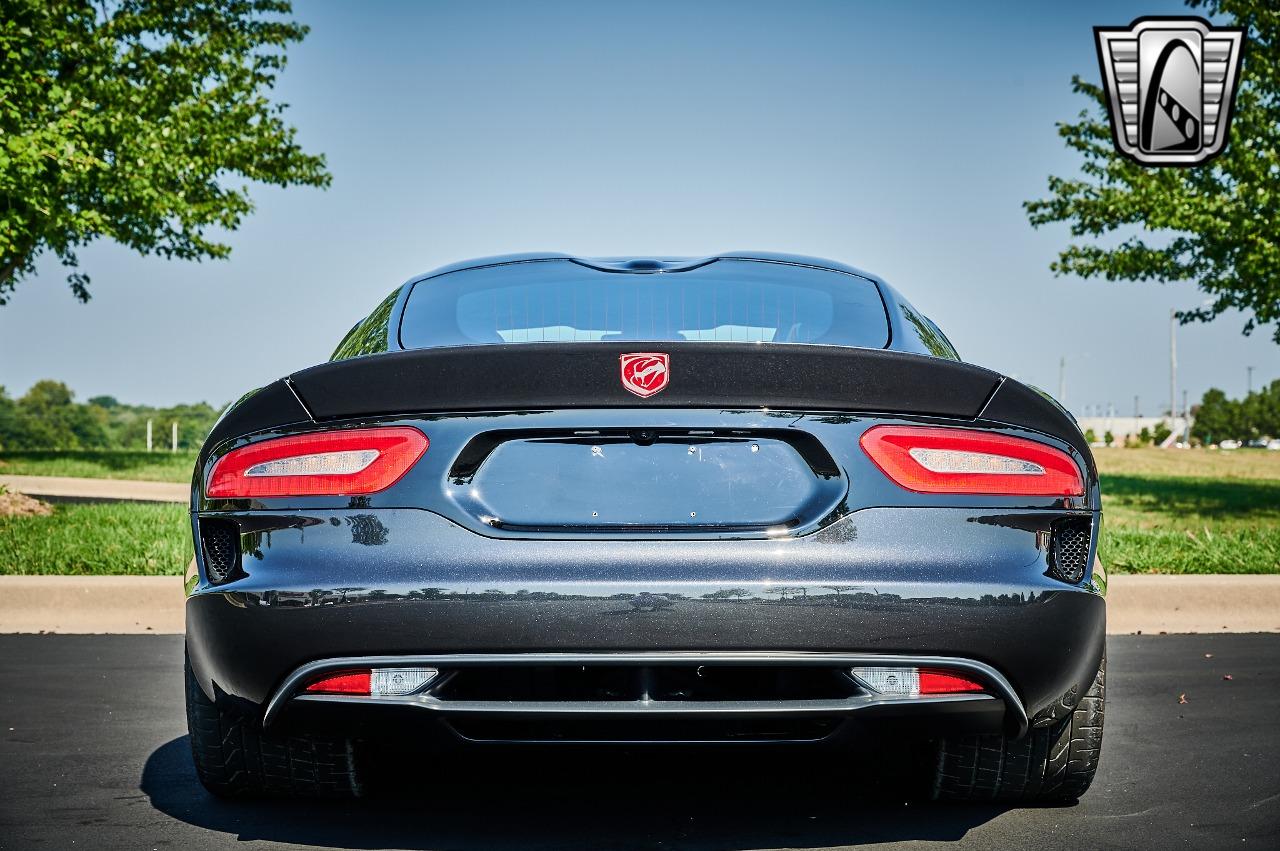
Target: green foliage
{"x": 1255, "y": 416}
{"x": 1213, "y": 224}
{"x": 1144, "y": 437}
{"x": 1108, "y": 438}
{"x": 1090, "y": 437}
{"x": 159, "y": 466}
{"x": 108, "y": 538}
{"x": 130, "y": 119}
{"x": 1190, "y": 524}
{"x": 1162, "y": 433}
{"x": 48, "y": 417}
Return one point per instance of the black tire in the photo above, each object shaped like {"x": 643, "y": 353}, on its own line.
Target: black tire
{"x": 1053, "y": 763}
{"x": 235, "y": 758}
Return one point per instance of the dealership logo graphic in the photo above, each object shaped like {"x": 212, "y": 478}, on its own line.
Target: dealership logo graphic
{"x": 645, "y": 373}
{"x": 1170, "y": 86}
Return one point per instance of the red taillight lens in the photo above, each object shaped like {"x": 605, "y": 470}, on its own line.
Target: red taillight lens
{"x": 952, "y": 460}
{"x": 330, "y": 463}
{"x": 946, "y": 682}
{"x": 354, "y": 682}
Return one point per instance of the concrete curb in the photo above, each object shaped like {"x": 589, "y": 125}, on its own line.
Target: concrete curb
{"x": 154, "y": 604}
{"x": 1215, "y": 603}
{"x": 92, "y": 604}
{"x": 98, "y": 489}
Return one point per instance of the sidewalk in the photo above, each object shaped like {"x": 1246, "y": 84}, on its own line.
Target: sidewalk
{"x": 154, "y": 604}
{"x": 105, "y": 489}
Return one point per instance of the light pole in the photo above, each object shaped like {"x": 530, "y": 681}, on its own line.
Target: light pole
{"x": 1173, "y": 363}
{"x": 1186, "y": 419}
{"x": 1249, "y": 370}
{"x": 1062, "y": 381}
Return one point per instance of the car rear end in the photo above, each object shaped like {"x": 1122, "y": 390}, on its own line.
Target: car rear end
{"x": 713, "y": 502}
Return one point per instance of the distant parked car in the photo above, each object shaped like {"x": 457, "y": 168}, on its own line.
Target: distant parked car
{"x": 744, "y": 500}
{"x": 1274, "y": 445}
{"x": 1229, "y": 444}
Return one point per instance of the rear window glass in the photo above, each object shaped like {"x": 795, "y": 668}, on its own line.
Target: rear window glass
{"x": 560, "y": 301}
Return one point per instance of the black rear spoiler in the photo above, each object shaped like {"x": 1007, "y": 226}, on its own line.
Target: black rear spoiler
{"x": 542, "y": 376}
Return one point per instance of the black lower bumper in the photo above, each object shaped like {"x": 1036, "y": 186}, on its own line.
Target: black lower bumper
{"x": 916, "y": 582}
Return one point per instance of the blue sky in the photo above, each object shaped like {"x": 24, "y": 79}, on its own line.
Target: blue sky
{"x": 901, "y": 139}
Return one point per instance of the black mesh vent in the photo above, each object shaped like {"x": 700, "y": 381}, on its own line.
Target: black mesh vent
{"x": 220, "y": 540}
{"x": 1069, "y": 549}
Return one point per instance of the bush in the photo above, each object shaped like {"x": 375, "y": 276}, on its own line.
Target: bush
{"x": 48, "y": 417}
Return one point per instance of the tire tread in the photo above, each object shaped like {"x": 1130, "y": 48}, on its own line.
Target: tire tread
{"x": 1051, "y": 763}
{"x": 235, "y": 758}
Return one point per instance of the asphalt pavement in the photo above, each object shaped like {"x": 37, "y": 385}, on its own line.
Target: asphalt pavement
{"x": 93, "y": 753}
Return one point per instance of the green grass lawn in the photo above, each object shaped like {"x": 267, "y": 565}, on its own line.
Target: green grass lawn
{"x": 98, "y": 538}
{"x": 1169, "y": 511}
{"x": 101, "y": 464}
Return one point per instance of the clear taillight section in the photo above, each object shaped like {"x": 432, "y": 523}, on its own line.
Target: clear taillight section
{"x": 330, "y": 463}
{"x": 926, "y": 459}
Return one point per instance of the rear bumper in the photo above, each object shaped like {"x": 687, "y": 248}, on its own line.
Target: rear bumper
{"x": 904, "y": 582}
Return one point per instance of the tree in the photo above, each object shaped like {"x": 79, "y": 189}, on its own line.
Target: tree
{"x": 1219, "y": 418}
{"x": 1090, "y": 437}
{"x": 1213, "y": 224}
{"x": 1162, "y": 433}
{"x": 1266, "y": 412}
{"x": 50, "y": 419}
{"x": 131, "y": 119}
{"x": 11, "y": 432}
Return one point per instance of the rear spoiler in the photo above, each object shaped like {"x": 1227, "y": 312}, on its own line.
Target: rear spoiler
{"x": 545, "y": 376}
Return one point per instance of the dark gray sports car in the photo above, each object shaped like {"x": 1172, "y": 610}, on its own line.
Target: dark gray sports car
{"x": 740, "y": 500}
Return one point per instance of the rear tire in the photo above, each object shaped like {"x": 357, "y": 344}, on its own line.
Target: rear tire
{"x": 236, "y": 758}
{"x": 1054, "y": 763}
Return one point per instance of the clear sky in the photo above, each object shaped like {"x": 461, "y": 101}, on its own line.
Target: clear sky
{"x": 899, "y": 138}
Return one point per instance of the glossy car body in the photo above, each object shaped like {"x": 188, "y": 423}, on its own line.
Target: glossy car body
{"x": 563, "y": 557}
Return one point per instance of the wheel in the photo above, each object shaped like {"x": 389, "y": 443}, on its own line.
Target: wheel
{"x": 1052, "y": 763}
{"x": 236, "y": 758}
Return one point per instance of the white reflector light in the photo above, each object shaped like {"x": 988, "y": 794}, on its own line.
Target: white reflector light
{"x": 896, "y": 682}
{"x": 397, "y": 682}
{"x": 955, "y": 461}
{"x": 319, "y": 464}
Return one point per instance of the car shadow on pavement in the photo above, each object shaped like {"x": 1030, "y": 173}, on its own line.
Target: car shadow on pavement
{"x": 566, "y": 800}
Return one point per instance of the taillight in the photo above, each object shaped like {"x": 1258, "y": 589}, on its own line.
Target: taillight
{"x": 952, "y": 460}
{"x": 374, "y": 682}
{"x": 916, "y": 682}
{"x": 330, "y": 463}
{"x": 355, "y": 682}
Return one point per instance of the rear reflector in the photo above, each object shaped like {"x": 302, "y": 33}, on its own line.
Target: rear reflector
{"x": 915, "y": 682}
{"x": 946, "y": 682}
{"x": 951, "y": 460}
{"x": 374, "y": 682}
{"x": 330, "y": 463}
{"x": 355, "y": 682}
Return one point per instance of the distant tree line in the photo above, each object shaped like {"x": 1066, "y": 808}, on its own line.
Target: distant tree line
{"x": 48, "y": 417}
{"x": 1255, "y": 416}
